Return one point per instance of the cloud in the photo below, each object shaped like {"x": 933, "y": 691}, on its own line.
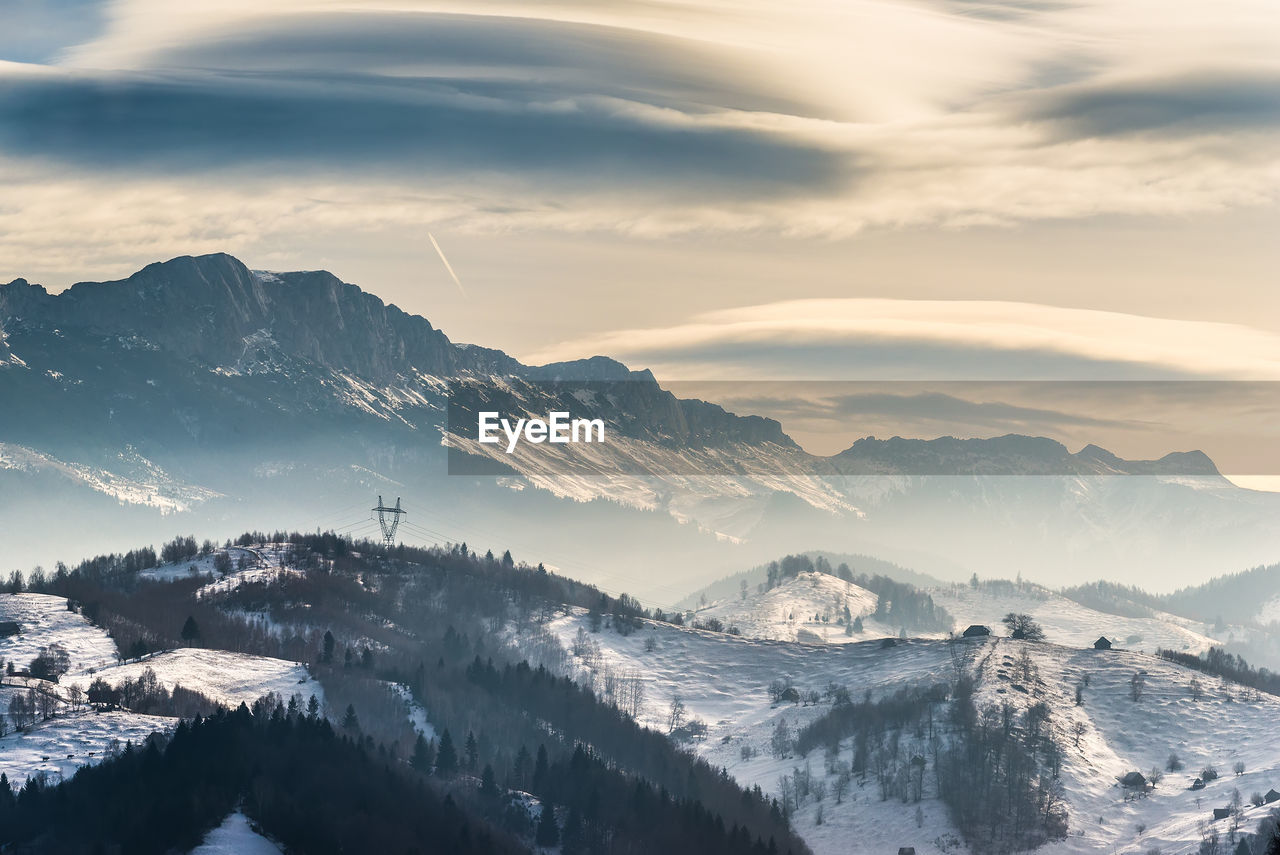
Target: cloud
{"x": 38, "y": 30}
{"x": 847, "y": 339}
{"x": 1205, "y": 101}
{"x": 185, "y": 124}
{"x": 939, "y": 408}
{"x": 805, "y": 119}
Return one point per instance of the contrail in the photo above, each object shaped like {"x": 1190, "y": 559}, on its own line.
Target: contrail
{"x": 447, "y": 265}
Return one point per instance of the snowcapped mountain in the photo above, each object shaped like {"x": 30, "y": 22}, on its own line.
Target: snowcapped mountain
{"x": 201, "y": 388}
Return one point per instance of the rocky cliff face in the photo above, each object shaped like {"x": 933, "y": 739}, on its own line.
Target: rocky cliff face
{"x": 205, "y": 314}
{"x": 209, "y": 309}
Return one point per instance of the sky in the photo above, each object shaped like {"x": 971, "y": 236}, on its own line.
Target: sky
{"x": 814, "y": 190}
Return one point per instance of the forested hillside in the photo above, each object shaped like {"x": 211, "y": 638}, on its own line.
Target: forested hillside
{"x": 510, "y": 754}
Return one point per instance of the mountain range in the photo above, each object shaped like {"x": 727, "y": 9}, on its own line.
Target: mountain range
{"x": 198, "y": 394}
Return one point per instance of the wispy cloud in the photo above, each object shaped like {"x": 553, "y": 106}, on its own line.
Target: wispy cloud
{"x": 806, "y": 118}
{"x": 854, "y": 339}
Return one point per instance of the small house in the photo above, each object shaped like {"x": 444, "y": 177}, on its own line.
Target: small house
{"x": 1243, "y": 847}
{"x": 1102, "y": 643}
{"x": 1197, "y": 784}
{"x": 1221, "y": 813}
{"x": 10, "y": 627}
{"x": 1134, "y": 781}
{"x": 808, "y": 636}
{"x": 1271, "y": 796}
{"x": 886, "y": 643}
{"x": 906, "y": 850}
{"x": 977, "y": 631}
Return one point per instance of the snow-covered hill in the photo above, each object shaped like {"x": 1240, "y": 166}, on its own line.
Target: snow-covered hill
{"x": 807, "y": 608}
{"x": 42, "y": 620}
{"x": 62, "y": 745}
{"x": 1226, "y": 725}
{"x": 1066, "y": 621}
{"x": 77, "y": 735}
{"x": 723, "y": 681}
{"x": 225, "y": 677}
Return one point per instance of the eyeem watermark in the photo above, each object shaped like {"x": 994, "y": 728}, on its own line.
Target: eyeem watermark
{"x": 557, "y": 428}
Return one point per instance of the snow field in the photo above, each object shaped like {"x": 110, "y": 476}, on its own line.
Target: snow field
{"x": 1067, "y": 622}
{"x": 235, "y": 837}
{"x": 225, "y": 677}
{"x": 44, "y": 619}
{"x": 62, "y": 745}
{"x": 724, "y": 681}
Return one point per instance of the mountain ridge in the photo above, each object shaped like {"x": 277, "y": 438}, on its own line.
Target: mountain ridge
{"x": 238, "y": 393}
{"x": 315, "y": 316}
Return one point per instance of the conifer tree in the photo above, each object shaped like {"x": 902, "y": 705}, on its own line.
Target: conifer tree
{"x": 548, "y": 833}
{"x": 540, "y": 768}
{"x": 488, "y": 783}
{"x": 521, "y": 767}
{"x": 446, "y": 757}
{"x": 473, "y": 752}
{"x": 421, "y": 759}
{"x": 574, "y": 837}
{"x": 351, "y": 721}
{"x": 190, "y": 630}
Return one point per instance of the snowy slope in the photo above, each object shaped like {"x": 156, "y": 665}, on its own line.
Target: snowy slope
{"x": 790, "y": 611}
{"x": 1269, "y": 612}
{"x": 1228, "y": 724}
{"x": 806, "y": 609}
{"x": 62, "y": 745}
{"x": 723, "y": 681}
{"x": 235, "y": 837}
{"x": 1066, "y": 621}
{"x": 230, "y": 678}
{"x": 203, "y": 565}
{"x": 133, "y": 480}
{"x": 260, "y": 564}
{"x": 75, "y": 737}
{"x": 44, "y": 619}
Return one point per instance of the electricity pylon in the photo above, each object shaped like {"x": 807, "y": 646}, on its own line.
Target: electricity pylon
{"x": 389, "y": 520}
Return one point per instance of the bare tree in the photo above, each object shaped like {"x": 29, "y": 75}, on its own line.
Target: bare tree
{"x": 676, "y": 714}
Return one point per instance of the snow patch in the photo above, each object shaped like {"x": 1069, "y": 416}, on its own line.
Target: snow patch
{"x": 236, "y": 836}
